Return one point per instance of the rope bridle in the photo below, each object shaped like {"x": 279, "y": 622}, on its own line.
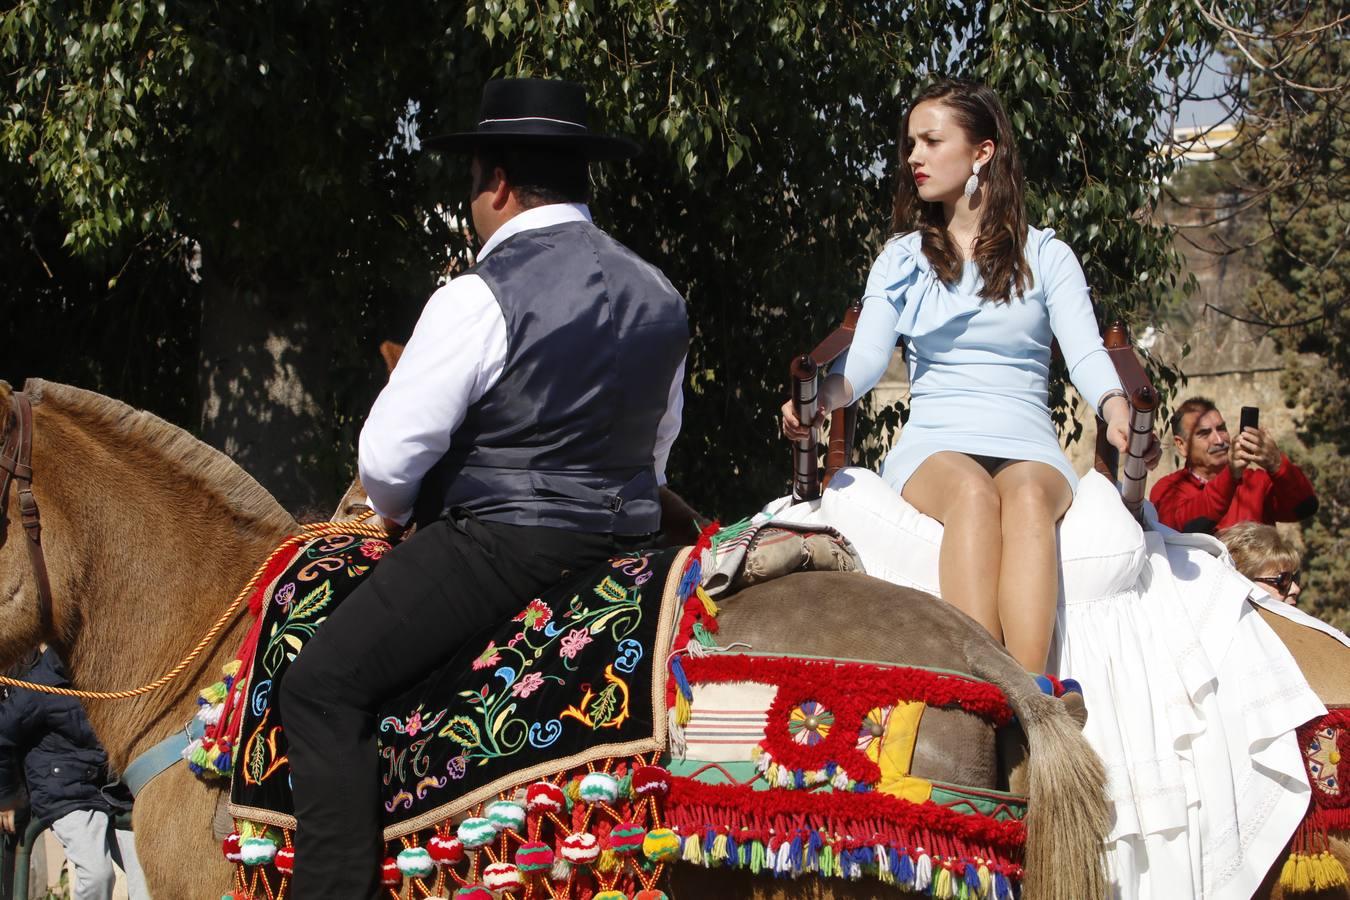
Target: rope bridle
{"x": 16, "y": 459}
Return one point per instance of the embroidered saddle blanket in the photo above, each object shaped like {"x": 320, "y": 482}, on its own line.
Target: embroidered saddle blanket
{"x": 578, "y": 675}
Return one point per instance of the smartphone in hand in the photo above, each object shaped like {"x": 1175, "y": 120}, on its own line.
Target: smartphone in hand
{"x": 1249, "y": 418}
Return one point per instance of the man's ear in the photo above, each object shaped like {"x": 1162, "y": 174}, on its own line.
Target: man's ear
{"x": 500, "y": 188}
{"x": 1180, "y": 443}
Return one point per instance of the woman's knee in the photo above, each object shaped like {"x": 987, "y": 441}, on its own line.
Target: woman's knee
{"x": 1034, "y": 499}
{"x": 975, "y": 498}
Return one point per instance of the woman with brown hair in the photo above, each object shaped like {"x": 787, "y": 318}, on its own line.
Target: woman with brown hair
{"x": 976, "y": 296}
{"x": 1260, "y": 553}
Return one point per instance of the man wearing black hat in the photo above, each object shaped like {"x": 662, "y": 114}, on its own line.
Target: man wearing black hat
{"x": 525, "y": 431}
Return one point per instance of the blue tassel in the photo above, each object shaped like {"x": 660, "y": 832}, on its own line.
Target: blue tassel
{"x": 681, "y": 681}
{"x": 861, "y": 788}
{"x": 813, "y": 845}
{"x": 895, "y": 860}
{"x": 795, "y": 853}
{"x": 708, "y": 839}
{"x": 830, "y": 769}
{"x": 1002, "y": 889}
{"x": 904, "y": 868}
{"x": 733, "y": 849}
{"x": 972, "y": 877}
{"x": 799, "y": 779}
{"x": 693, "y": 575}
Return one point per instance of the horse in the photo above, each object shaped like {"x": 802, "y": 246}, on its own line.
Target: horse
{"x": 125, "y": 610}
{"x": 148, "y": 534}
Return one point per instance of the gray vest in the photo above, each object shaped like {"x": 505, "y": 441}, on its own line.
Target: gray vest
{"x": 565, "y": 437}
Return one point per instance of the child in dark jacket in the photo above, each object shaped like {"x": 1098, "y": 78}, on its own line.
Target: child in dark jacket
{"x": 47, "y": 742}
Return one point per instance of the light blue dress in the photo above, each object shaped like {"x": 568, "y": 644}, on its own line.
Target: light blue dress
{"x": 978, "y": 370}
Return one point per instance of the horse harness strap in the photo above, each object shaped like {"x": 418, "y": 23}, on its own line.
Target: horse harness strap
{"x": 16, "y": 462}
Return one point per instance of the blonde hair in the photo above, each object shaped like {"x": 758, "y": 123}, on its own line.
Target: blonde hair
{"x": 1257, "y": 548}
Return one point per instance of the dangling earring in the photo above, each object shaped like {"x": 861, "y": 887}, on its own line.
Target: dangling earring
{"x": 973, "y": 182}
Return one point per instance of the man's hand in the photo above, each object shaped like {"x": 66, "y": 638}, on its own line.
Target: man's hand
{"x": 7, "y": 821}
{"x": 1256, "y": 447}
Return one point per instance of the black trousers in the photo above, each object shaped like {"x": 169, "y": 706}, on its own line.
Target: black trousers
{"x": 424, "y": 601}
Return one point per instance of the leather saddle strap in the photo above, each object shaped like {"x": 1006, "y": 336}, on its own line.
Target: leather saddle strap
{"x": 16, "y": 460}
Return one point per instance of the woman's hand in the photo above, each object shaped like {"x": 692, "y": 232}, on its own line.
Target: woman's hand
{"x": 1117, "y": 410}
{"x": 834, "y": 392}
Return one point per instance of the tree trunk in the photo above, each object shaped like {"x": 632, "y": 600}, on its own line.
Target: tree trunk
{"x": 266, "y": 389}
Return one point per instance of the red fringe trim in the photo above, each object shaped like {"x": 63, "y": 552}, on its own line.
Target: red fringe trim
{"x": 849, "y": 691}
{"x": 694, "y": 611}
{"x": 865, "y": 818}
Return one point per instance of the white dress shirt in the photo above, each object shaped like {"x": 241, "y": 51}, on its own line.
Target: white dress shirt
{"x": 456, "y": 354}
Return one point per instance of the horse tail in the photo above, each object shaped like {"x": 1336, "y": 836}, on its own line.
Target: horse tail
{"x": 1068, "y": 815}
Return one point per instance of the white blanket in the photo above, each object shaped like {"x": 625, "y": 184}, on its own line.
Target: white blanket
{"x": 1192, "y": 699}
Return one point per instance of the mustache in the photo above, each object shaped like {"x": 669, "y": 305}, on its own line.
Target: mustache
{"x": 1220, "y": 448}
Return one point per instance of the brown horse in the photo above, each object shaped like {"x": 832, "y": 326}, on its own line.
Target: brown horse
{"x": 149, "y": 534}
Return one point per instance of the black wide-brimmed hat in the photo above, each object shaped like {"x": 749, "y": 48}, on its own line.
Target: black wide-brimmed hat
{"x": 536, "y": 112}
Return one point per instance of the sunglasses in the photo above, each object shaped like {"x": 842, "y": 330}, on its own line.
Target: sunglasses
{"x": 1281, "y": 582}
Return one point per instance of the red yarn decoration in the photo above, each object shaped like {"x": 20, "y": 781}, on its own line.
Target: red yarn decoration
{"x": 849, "y": 691}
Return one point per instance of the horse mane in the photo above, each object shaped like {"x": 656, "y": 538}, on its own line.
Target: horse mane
{"x": 177, "y": 457}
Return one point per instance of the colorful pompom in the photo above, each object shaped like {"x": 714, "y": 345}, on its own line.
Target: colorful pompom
{"x": 474, "y": 892}
{"x": 390, "y": 876}
{"x": 257, "y": 851}
{"x": 580, "y": 848}
{"x": 627, "y": 838}
{"x": 502, "y": 877}
{"x": 415, "y": 862}
{"x": 506, "y": 815}
{"x": 610, "y": 895}
{"x": 445, "y": 851}
{"x": 285, "y": 861}
{"x": 475, "y": 832}
{"x": 230, "y": 847}
{"x": 545, "y": 797}
{"x": 651, "y": 780}
{"x": 650, "y": 894}
{"x": 661, "y": 845}
{"x": 534, "y": 856}
{"x": 598, "y": 787}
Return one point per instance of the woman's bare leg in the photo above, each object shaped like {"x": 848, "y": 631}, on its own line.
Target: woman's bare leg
{"x": 958, "y": 492}
{"x": 1033, "y": 496}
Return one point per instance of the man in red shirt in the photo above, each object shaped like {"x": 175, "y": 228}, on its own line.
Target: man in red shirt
{"x": 1225, "y": 482}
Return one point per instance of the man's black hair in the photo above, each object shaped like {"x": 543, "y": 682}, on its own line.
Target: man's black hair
{"x": 539, "y": 175}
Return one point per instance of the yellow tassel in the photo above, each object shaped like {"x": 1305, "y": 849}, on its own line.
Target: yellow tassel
{"x": 693, "y": 850}
{"x": 232, "y": 667}
{"x": 214, "y": 693}
{"x": 681, "y": 708}
{"x": 942, "y": 884}
{"x": 708, "y": 603}
{"x": 1327, "y": 872}
{"x": 608, "y": 861}
{"x": 719, "y": 848}
{"x": 986, "y": 884}
{"x": 574, "y": 790}
{"x": 1294, "y": 874}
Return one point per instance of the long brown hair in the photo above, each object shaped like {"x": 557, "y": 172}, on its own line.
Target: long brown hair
{"x": 1001, "y": 244}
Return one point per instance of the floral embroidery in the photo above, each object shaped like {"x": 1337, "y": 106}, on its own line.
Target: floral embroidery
{"x": 573, "y": 641}
{"x": 536, "y": 615}
{"x": 375, "y": 549}
{"x": 527, "y": 684}
{"x": 284, "y": 595}
{"x": 489, "y": 657}
{"x": 809, "y": 723}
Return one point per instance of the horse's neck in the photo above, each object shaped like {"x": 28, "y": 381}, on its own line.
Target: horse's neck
{"x": 141, "y": 572}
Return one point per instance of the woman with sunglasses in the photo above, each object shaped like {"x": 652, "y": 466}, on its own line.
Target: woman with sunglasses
{"x": 1260, "y": 553}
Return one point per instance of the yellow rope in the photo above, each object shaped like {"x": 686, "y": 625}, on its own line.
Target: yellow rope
{"x": 307, "y": 533}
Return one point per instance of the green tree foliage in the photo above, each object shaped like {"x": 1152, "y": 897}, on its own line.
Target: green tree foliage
{"x": 1294, "y": 170}
{"x": 275, "y": 137}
